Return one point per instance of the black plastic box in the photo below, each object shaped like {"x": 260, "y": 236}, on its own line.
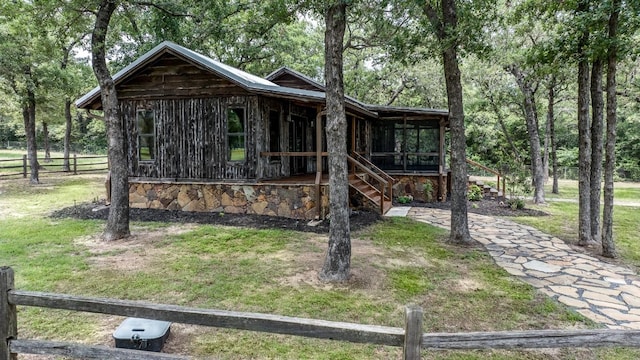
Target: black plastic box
{"x": 142, "y": 334}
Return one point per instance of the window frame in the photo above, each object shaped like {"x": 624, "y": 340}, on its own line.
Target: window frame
{"x": 147, "y": 135}
{"x": 243, "y": 134}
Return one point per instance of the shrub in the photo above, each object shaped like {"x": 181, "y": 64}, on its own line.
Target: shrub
{"x": 427, "y": 189}
{"x": 405, "y": 199}
{"x": 475, "y": 193}
{"x": 516, "y": 203}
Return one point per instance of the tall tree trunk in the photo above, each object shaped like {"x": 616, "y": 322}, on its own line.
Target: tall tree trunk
{"x": 338, "y": 258}
{"x": 531, "y": 117}
{"x": 67, "y": 135}
{"x": 29, "y": 118}
{"x": 608, "y": 245}
{"x": 45, "y": 139}
{"x": 118, "y": 221}
{"x": 584, "y": 139}
{"x": 552, "y": 133}
{"x": 597, "y": 107}
{"x": 546, "y": 150}
{"x": 459, "y": 183}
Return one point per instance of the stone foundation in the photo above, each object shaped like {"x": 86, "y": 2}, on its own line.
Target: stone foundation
{"x": 290, "y": 201}
{"x": 414, "y": 184}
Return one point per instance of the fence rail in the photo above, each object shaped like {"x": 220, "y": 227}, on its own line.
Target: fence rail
{"x": 77, "y": 164}
{"x": 411, "y": 338}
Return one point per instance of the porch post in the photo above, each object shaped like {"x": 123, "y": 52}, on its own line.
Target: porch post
{"x": 442, "y": 167}
{"x": 319, "y": 160}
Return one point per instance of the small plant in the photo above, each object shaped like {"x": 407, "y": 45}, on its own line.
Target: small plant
{"x": 427, "y": 190}
{"x": 516, "y": 203}
{"x": 405, "y": 199}
{"x": 475, "y": 193}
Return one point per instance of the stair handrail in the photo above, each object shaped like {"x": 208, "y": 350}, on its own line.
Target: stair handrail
{"x": 373, "y": 167}
{"x": 494, "y": 172}
{"x": 383, "y": 183}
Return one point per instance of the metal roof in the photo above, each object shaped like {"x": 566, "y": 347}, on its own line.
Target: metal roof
{"x": 245, "y": 80}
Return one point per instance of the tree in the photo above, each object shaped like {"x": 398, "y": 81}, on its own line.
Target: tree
{"x": 608, "y": 245}
{"x": 118, "y": 221}
{"x": 531, "y": 117}
{"x": 445, "y": 26}
{"x": 584, "y": 133}
{"x": 338, "y": 258}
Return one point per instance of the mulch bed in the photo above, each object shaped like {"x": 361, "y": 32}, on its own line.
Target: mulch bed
{"x": 358, "y": 219}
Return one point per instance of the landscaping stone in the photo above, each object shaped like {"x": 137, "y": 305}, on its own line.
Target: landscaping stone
{"x": 605, "y": 293}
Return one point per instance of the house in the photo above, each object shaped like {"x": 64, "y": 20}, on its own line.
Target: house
{"x": 204, "y": 136}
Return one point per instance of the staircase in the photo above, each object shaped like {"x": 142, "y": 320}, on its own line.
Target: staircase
{"x": 375, "y": 185}
{"x": 370, "y": 192}
{"x": 488, "y": 191}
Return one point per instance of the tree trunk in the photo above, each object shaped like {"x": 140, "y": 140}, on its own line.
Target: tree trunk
{"x": 531, "y": 118}
{"x": 118, "y": 221}
{"x": 545, "y": 150}
{"x": 29, "y": 118}
{"x": 459, "y": 184}
{"x": 597, "y": 106}
{"x": 552, "y": 133}
{"x": 584, "y": 140}
{"x": 608, "y": 245}
{"x": 67, "y": 135}
{"x": 46, "y": 145}
{"x": 338, "y": 258}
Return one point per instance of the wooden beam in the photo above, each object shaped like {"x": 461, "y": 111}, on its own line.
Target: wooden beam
{"x": 83, "y": 351}
{"x": 8, "y": 314}
{"x": 322, "y": 329}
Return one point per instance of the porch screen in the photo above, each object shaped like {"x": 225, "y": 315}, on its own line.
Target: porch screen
{"x": 236, "y": 134}
{"x": 146, "y": 135}
{"x": 412, "y": 147}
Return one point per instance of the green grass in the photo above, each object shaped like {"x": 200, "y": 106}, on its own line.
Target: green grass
{"x": 394, "y": 263}
{"x": 568, "y": 189}
{"x": 563, "y": 223}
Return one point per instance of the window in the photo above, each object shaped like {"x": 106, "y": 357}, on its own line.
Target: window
{"x": 274, "y": 133}
{"x": 410, "y": 147}
{"x": 236, "y": 135}
{"x": 146, "y": 135}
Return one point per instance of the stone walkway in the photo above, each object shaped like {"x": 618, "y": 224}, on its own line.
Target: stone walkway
{"x": 605, "y": 293}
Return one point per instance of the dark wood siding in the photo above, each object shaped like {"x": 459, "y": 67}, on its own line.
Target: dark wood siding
{"x": 170, "y": 76}
{"x": 291, "y": 81}
{"x": 191, "y": 138}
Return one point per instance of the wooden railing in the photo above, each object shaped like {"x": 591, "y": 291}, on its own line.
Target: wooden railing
{"x": 383, "y": 184}
{"x": 411, "y": 338}
{"x": 492, "y": 171}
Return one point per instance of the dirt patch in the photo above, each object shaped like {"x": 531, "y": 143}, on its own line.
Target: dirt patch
{"x": 130, "y": 254}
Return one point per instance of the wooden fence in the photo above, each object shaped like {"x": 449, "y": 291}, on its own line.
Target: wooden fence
{"x": 77, "y": 164}
{"x": 411, "y": 338}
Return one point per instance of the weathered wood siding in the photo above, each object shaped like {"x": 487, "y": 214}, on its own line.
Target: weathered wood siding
{"x": 170, "y": 76}
{"x": 191, "y": 138}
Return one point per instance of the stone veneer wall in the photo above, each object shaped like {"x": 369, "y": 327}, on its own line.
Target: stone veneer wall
{"x": 291, "y": 201}
{"x": 413, "y": 185}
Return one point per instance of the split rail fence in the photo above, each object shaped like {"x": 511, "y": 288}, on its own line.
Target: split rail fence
{"x": 77, "y": 164}
{"x": 410, "y": 338}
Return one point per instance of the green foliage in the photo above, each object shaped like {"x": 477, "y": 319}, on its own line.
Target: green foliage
{"x": 475, "y": 193}
{"x": 427, "y": 190}
{"x": 405, "y": 199}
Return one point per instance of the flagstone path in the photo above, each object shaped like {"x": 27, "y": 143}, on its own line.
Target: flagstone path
{"x": 605, "y": 293}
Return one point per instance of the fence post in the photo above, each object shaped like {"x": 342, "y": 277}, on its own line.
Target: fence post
{"x": 24, "y": 166}
{"x": 75, "y": 164}
{"x": 412, "y": 332}
{"x": 8, "y": 314}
